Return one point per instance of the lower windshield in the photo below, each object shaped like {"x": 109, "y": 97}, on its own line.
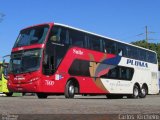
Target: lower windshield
{"x": 25, "y": 61}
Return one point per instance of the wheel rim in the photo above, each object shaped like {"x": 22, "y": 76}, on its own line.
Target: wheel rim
{"x": 143, "y": 91}
{"x": 71, "y": 89}
{"x": 136, "y": 92}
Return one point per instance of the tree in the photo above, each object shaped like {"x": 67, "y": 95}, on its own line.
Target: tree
{"x": 152, "y": 46}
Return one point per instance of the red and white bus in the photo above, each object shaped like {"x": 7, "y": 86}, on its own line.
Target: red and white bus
{"x": 52, "y": 58}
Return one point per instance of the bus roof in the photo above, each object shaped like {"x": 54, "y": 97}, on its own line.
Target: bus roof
{"x": 67, "y": 26}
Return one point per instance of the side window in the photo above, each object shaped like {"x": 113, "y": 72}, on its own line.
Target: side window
{"x": 58, "y": 35}
{"x": 132, "y": 52}
{"x": 79, "y": 68}
{"x": 121, "y": 49}
{"x": 151, "y": 57}
{"x": 109, "y": 47}
{"x": 120, "y": 73}
{"x": 125, "y": 73}
{"x": 113, "y": 73}
{"x": 95, "y": 43}
{"x": 76, "y": 38}
{"x": 142, "y": 54}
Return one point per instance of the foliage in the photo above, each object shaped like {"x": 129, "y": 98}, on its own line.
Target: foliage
{"x": 151, "y": 46}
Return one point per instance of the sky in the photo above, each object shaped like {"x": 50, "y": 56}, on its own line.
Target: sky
{"x": 123, "y": 20}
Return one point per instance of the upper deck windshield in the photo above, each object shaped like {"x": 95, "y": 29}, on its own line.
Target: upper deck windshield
{"x": 25, "y": 61}
{"x": 33, "y": 35}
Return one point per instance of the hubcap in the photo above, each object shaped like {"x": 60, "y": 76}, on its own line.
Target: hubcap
{"x": 135, "y": 92}
{"x": 71, "y": 89}
{"x": 143, "y": 91}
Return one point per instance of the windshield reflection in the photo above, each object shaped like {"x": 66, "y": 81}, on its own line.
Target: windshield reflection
{"x": 26, "y": 61}
{"x": 34, "y": 35}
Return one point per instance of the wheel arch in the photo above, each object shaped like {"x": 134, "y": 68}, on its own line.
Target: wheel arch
{"x": 137, "y": 85}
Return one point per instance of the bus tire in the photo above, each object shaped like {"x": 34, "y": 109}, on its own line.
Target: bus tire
{"x": 42, "y": 95}
{"x": 70, "y": 89}
{"x": 136, "y": 92}
{"x": 9, "y": 94}
{"x": 144, "y": 91}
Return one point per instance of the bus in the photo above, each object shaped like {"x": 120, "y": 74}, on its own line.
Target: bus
{"x": 52, "y": 59}
{"x": 4, "y": 77}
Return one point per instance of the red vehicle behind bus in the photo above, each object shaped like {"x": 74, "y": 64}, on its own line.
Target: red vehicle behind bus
{"x": 53, "y": 58}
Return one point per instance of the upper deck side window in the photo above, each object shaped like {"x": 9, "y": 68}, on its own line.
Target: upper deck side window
{"x": 58, "y": 35}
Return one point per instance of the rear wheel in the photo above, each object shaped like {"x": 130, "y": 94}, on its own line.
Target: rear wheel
{"x": 144, "y": 92}
{"x": 70, "y": 89}
{"x": 42, "y": 95}
{"x": 135, "y": 91}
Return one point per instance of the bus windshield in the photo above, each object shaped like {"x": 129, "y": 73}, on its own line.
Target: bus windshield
{"x": 34, "y": 35}
{"x": 25, "y": 61}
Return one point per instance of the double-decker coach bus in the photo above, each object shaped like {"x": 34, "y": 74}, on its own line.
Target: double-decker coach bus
{"x": 54, "y": 58}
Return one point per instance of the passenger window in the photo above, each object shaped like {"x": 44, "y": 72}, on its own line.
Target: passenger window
{"x": 142, "y": 54}
{"x": 110, "y": 47}
{"x": 121, "y": 49}
{"x": 113, "y": 73}
{"x": 151, "y": 57}
{"x": 95, "y": 43}
{"x": 76, "y": 38}
{"x": 58, "y": 35}
{"x": 79, "y": 68}
{"x": 120, "y": 73}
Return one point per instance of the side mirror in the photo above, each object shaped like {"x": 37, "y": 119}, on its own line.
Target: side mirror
{"x": 4, "y": 65}
{"x": 6, "y": 60}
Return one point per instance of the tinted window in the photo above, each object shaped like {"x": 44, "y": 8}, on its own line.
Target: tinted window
{"x": 34, "y": 35}
{"x": 113, "y": 73}
{"x": 110, "y": 46}
{"x": 151, "y": 57}
{"x": 142, "y": 55}
{"x": 82, "y": 67}
{"x": 121, "y": 49}
{"x": 132, "y": 52}
{"x": 76, "y": 38}
{"x": 95, "y": 43}
{"x": 120, "y": 73}
{"x": 79, "y": 68}
{"x": 59, "y": 35}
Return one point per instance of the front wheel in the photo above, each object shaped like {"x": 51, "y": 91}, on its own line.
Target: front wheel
{"x": 42, "y": 95}
{"x": 69, "y": 90}
{"x": 9, "y": 94}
